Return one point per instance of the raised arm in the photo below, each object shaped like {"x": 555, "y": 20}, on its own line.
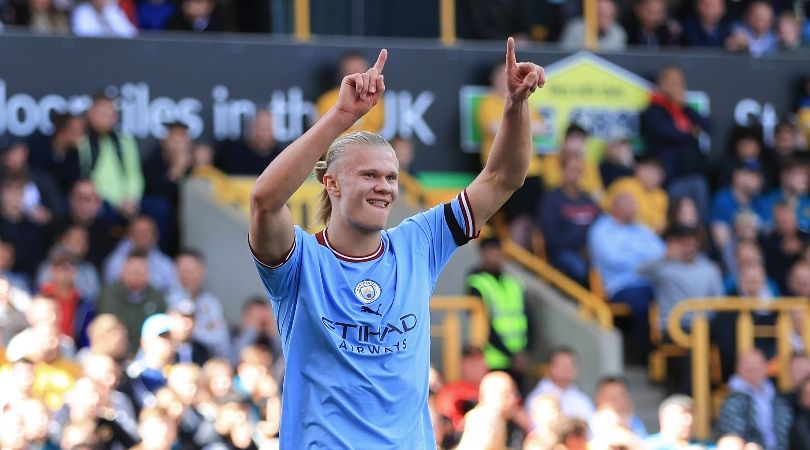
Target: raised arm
{"x": 271, "y": 232}
{"x": 508, "y": 161}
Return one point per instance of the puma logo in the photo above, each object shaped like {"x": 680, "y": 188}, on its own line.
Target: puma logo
{"x": 368, "y": 310}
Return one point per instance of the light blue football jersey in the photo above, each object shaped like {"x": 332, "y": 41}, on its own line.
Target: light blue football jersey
{"x": 356, "y": 334}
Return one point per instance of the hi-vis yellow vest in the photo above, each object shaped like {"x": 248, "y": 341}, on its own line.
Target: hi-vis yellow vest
{"x": 503, "y": 299}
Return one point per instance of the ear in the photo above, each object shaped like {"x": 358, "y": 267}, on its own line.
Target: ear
{"x": 331, "y": 185}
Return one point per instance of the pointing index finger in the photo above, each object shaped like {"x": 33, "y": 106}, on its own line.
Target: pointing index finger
{"x": 510, "y": 52}
{"x": 381, "y": 60}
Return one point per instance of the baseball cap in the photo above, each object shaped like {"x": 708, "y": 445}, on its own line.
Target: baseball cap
{"x": 155, "y": 325}
{"x": 184, "y": 307}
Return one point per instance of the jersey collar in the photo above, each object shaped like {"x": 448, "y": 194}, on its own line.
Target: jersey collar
{"x": 323, "y": 239}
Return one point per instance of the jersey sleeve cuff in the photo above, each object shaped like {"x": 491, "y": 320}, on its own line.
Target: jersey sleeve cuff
{"x": 470, "y": 229}
{"x": 272, "y": 266}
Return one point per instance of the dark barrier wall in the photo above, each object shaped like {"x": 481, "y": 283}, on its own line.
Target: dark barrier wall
{"x": 215, "y": 84}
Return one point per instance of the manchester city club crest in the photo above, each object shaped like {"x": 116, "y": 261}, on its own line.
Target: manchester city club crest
{"x": 367, "y": 291}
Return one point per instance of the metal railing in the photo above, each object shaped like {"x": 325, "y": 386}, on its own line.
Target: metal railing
{"x": 451, "y": 329}
{"x": 698, "y": 340}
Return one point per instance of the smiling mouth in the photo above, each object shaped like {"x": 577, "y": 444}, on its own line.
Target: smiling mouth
{"x": 382, "y": 204}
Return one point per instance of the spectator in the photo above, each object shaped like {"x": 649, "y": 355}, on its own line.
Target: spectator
{"x": 108, "y": 337}
{"x": 255, "y": 363}
{"x": 89, "y": 405}
{"x": 612, "y": 36}
{"x": 12, "y": 320}
{"x": 743, "y": 194}
{"x": 800, "y": 431}
{"x": 12, "y": 429}
{"x": 132, "y": 299}
{"x": 747, "y": 148}
{"x": 403, "y": 148}
{"x": 258, "y": 327}
{"x": 612, "y": 392}
{"x": 671, "y": 131}
{"x": 41, "y": 16}
{"x": 619, "y": 246}
{"x": 18, "y": 229}
{"x": 210, "y": 326}
{"x": 650, "y": 27}
{"x": 142, "y": 237}
{"x": 41, "y": 197}
{"x": 708, "y": 28}
{"x": 164, "y": 170}
{"x": 755, "y": 35}
{"x": 35, "y": 425}
{"x": 155, "y": 355}
{"x": 794, "y": 183}
{"x": 105, "y": 18}
{"x": 202, "y": 155}
{"x": 483, "y": 430}
{"x": 217, "y": 376}
{"x": 351, "y": 63}
{"x": 498, "y": 393}
{"x": 54, "y": 372}
{"x": 788, "y": 30}
{"x": 684, "y": 212}
{"x": 21, "y": 287}
{"x": 561, "y": 374}
{"x": 75, "y": 312}
{"x": 617, "y": 161}
{"x": 85, "y": 210}
{"x": 255, "y": 152}
{"x": 645, "y": 187}
{"x": 675, "y": 419}
{"x": 157, "y": 430}
{"x": 155, "y": 14}
{"x": 17, "y": 376}
{"x": 111, "y": 159}
{"x": 187, "y": 349}
{"x": 752, "y": 409}
{"x": 545, "y": 415}
{"x": 566, "y": 215}
{"x": 574, "y": 143}
{"x": 521, "y": 208}
{"x": 571, "y": 434}
{"x": 42, "y": 312}
{"x": 198, "y": 15}
{"x": 113, "y": 384}
{"x": 74, "y": 241}
{"x": 783, "y": 246}
{"x": 786, "y": 142}
{"x": 798, "y": 371}
{"x": 56, "y": 154}
{"x": 683, "y": 273}
{"x": 504, "y": 300}
{"x": 194, "y": 430}
{"x": 458, "y": 397}
{"x": 232, "y": 424}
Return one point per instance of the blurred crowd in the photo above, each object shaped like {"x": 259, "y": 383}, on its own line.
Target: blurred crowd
{"x": 757, "y": 27}
{"x": 484, "y": 410}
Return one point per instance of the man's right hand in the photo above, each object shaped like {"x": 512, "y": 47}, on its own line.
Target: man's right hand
{"x": 361, "y": 91}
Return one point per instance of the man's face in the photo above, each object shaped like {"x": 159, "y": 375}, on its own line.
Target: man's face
{"x": 747, "y": 181}
{"x": 191, "y": 272}
{"x": 135, "y": 275}
{"x": 760, "y": 17}
{"x": 176, "y": 142}
{"x": 74, "y": 130}
{"x": 572, "y": 170}
{"x": 143, "y": 235}
{"x": 796, "y": 180}
{"x": 198, "y": 9}
{"x": 651, "y": 13}
{"x": 711, "y": 11}
{"x": 673, "y": 84}
{"x": 624, "y": 208}
{"x": 102, "y": 117}
{"x": 751, "y": 280}
{"x": 181, "y": 327}
{"x": 562, "y": 369}
{"x": 352, "y": 65}
{"x": 678, "y": 420}
{"x": 364, "y": 187}
{"x": 84, "y": 201}
{"x": 650, "y": 175}
{"x": 752, "y": 368}
{"x": 261, "y": 131}
{"x": 799, "y": 280}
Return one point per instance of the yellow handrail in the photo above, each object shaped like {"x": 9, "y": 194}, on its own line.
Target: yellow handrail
{"x": 450, "y": 330}
{"x": 447, "y": 21}
{"x": 590, "y": 306}
{"x": 698, "y": 341}
{"x": 302, "y": 20}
